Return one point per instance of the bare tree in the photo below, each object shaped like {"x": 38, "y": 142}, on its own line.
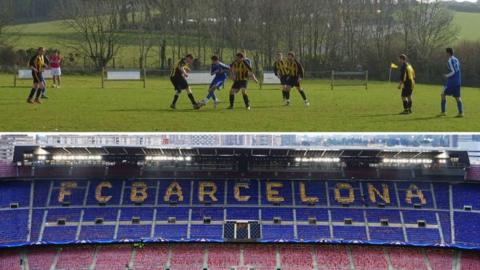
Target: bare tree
{"x": 6, "y": 15}
{"x": 96, "y": 22}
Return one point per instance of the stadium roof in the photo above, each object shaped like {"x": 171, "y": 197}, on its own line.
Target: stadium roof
{"x": 32, "y": 153}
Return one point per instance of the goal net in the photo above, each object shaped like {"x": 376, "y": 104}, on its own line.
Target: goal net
{"x": 349, "y": 79}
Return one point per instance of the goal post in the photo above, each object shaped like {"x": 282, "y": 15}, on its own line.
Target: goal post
{"x": 349, "y": 78}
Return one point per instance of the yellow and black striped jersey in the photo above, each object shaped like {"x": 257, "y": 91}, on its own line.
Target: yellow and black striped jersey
{"x": 407, "y": 74}
{"x": 280, "y": 68}
{"x": 177, "y": 70}
{"x": 241, "y": 70}
{"x": 38, "y": 62}
{"x": 295, "y": 69}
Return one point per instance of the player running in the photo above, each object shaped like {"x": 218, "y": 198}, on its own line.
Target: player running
{"x": 280, "y": 68}
{"x": 296, "y": 73}
{"x": 453, "y": 85}
{"x": 220, "y": 70}
{"x": 178, "y": 77}
{"x": 407, "y": 83}
{"x": 37, "y": 65}
{"x": 241, "y": 71}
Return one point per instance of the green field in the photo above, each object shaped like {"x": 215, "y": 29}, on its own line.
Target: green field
{"x": 57, "y": 35}
{"x": 81, "y": 105}
{"x": 468, "y": 23}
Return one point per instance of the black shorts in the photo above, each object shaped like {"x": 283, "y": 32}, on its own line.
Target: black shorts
{"x": 294, "y": 81}
{"x": 407, "y": 91}
{"x": 37, "y": 77}
{"x": 179, "y": 83}
{"x": 240, "y": 85}
{"x": 284, "y": 80}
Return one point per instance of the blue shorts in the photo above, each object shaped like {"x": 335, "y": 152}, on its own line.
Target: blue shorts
{"x": 217, "y": 83}
{"x": 452, "y": 91}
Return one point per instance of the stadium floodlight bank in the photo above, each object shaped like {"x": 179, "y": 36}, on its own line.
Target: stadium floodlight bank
{"x": 349, "y": 78}
{"x": 124, "y": 75}
{"x": 279, "y": 163}
{"x": 26, "y": 74}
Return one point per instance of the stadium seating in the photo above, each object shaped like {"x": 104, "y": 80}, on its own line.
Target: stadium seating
{"x": 223, "y": 256}
{"x": 473, "y": 173}
{"x": 369, "y": 258}
{"x": 9, "y": 260}
{"x": 41, "y": 258}
{"x": 186, "y": 257}
{"x": 332, "y": 257}
{"x": 408, "y": 258}
{"x": 440, "y": 259}
{"x": 66, "y": 211}
{"x": 260, "y": 256}
{"x": 113, "y": 258}
{"x": 7, "y": 169}
{"x": 296, "y": 257}
{"x": 76, "y": 258}
{"x": 236, "y": 256}
{"x": 470, "y": 261}
{"x": 151, "y": 257}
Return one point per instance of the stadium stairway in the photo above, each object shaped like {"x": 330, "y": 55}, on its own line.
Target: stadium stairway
{"x": 238, "y": 257}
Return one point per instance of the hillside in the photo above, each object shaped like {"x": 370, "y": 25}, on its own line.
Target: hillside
{"x": 55, "y": 34}
{"x": 469, "y": 23}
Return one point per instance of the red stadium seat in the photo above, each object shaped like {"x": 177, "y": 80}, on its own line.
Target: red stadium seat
{"x": 151, "y": 257}
{"x": 470, "y": 261}
{"x": 9, "y": 260}
{"x": 369, "y": 258}
{"x": 113, "y": 257}
{"x": 440, "y": 259}
{"x": 76, "y": 258}
{"x": 223, "y": 256}
{"x": 41, "y": 258}
{"x": 260, "y": 256}
{"x": 228, "y": 256}
{"x": 296, "y": 257}
{"x": 332, "y": 258}
{"x": 407, "y": 258}
{"x": 187, "y": 257}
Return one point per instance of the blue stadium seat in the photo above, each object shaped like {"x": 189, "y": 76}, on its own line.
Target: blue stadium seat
{"x": 182, "y": 220}
{"x": 14, "y": 226}
{"x": 14, "y": 192}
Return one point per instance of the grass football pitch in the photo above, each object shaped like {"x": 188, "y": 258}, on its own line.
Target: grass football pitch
{"x": 81, "y": 105}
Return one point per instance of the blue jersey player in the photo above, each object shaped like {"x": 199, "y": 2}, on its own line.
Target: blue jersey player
{"x": 220, "y": 71}
{"x": 453, "y": 85}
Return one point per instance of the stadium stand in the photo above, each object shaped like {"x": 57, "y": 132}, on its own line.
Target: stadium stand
{"x": 116, "y": 218}
{"x": 75, "y": 257}
{"x": 237, "y": 256}
{"x": 64, "y": 211}
{"x": 41, "y": 258}
{"x": 369, "y": 258}
{"x": 151, "y": 257}
{"x": 473, "y": 173}
{"x": 332, "y": 257}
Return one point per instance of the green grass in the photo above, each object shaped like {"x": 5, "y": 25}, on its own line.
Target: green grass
{"x": 468, "y": 23}
{"x": 81, "y": 105}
